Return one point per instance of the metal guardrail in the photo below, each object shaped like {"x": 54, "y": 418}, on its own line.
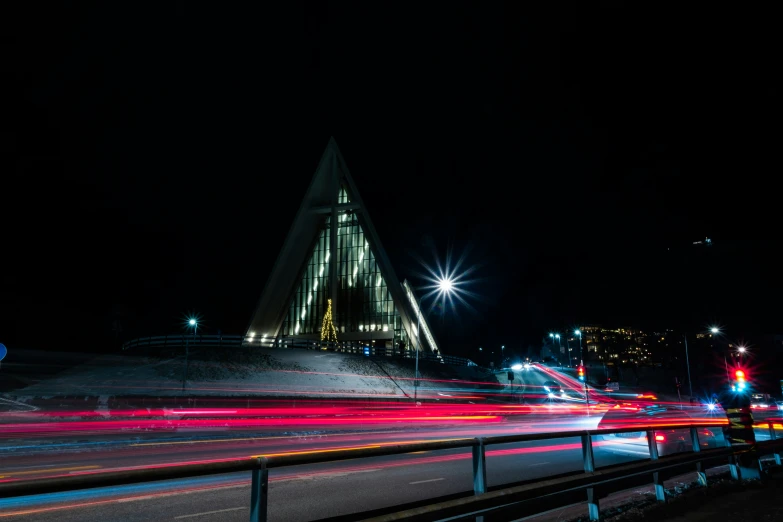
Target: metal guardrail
{"x": 177, "y": 340}
{"x": 594, "y": 482}
{"x": 354, "y": 347}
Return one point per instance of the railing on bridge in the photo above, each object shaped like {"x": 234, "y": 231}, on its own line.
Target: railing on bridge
{"x": 355, "y": 347}
{"x": 593, "y": 482}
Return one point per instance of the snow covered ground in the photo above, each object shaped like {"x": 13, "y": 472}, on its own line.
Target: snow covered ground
{"x": 260, "y": 372}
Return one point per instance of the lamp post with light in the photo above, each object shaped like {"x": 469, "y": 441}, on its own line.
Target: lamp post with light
{"x": 716, "y": 331}
{"x": 554, "y": 336}
{"x": 192, "y": 322}
{"x": 578, "y": 333}
{"x": 445, "y": 286}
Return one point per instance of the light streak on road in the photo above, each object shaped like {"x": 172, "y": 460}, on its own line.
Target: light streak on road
{"x": 144, "y": 491}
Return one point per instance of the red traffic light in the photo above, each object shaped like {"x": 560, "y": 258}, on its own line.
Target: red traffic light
{"x": 740, "y": 381}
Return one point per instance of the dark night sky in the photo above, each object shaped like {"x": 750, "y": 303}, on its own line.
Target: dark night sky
{"x": 155, "y": 155}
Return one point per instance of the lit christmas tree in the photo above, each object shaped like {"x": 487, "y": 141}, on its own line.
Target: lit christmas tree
{"x": 328, "y": 331}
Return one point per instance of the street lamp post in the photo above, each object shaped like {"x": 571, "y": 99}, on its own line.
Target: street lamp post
{"x": 194, "y": 323}
{"x": 715, "y": 331}
{"x": 418, "y": 349}
{"x": 445, "y": 285}
{"x": 578, "y": 333}
{"x": 502, "y": 358}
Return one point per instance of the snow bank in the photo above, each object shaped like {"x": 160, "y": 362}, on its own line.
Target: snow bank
{"x": 260, "y": 371}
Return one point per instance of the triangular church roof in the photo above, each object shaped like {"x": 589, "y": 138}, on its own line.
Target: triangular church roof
{"x": 320, "y": 200}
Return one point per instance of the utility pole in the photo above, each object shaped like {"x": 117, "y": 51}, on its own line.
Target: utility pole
{"x": 688, "y": 365}
{"x": 677, "y": 384}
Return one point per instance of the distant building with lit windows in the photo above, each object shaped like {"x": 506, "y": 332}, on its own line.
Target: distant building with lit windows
{"x": 623, "y": 345}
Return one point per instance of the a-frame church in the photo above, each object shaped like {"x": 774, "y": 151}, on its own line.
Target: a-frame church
{"x": 333, "y": 252}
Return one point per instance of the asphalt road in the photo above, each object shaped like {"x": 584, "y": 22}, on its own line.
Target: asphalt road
{"x": 309, "y": 492}
{"x": 297, "y": 493}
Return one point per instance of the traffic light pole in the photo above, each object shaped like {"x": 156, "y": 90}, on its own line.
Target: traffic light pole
{"x": 739, "y": 432}
{"x": 582, "y": 373}
{"x": 587, "y": 396}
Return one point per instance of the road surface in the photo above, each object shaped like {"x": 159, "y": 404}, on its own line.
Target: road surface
{"x": 297, "y": 493}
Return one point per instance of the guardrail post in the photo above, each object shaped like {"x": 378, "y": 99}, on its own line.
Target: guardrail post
{"x": 587, "y": 453}
{"x": 259, "y": 487}
{"x": 479, "y": 468}
{"x": 660, "y": 493}
{"x": 695, "y": 440}
{"x": 774, "y": 436}
{"x": 701, "y": 474}
{"x": 652, "y": 445}
{"x": 734, "y": 467}
{"x": 593, "y": 511}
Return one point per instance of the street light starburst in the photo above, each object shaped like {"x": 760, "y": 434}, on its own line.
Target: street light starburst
{"x": 447, "y": 287}
{"x": 447, "y": 283}
{"x": 191, "y": 321}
